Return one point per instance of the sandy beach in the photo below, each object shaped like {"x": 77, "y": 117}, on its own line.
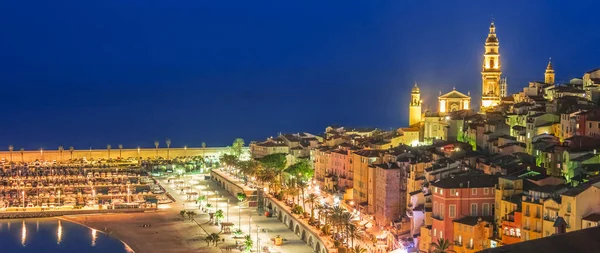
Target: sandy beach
{"x": 167, "y": 233}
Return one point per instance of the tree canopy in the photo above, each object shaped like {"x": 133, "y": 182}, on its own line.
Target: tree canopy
{"x": 274, "y": 161}
{"x": 236, "y": 147}
{"x": 301, "y": 169}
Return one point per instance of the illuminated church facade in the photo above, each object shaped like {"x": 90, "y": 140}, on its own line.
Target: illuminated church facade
{"x": 493, "y": 89}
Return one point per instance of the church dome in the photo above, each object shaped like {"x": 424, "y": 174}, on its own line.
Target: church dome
{"x": 416, "y": 89}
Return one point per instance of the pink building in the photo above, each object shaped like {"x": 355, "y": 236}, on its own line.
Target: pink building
{"x": 390, "y": 193}
{"x": 458, "y": 197}
{"x": 340, "y": 167}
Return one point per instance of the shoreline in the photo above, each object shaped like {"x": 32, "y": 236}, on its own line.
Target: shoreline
{"x": 167, "y": 233}
{"x": 130, "y": 249}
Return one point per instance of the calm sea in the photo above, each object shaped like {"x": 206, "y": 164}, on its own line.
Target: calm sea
{"x": 53, "y": 236}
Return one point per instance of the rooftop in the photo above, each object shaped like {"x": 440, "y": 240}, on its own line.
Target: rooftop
{"x": 467, "y": 181}
{"x": 581, "y": 241}
{"x": 472, "y": 220}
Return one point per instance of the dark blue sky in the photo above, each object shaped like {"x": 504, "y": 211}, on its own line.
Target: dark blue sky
{"x": 89, "y": 73}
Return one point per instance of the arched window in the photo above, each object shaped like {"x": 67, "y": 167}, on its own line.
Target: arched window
{"x": 492, "y": 63}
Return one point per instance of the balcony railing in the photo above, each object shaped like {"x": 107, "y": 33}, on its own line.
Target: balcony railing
{"x": 548, "y": 218}
{"x": 437, "y": 217}
{"x": 458, "y": 243}
{"x": 470, "y": 246}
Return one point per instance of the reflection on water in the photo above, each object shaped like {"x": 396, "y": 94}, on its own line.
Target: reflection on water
{"x": 23, "y": 234}
{"x": 59, "y": 233}
{"x": 70, "y": 238}
{"x": 94, "y": 237}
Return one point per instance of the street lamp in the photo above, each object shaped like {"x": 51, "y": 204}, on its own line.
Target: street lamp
{"x": 257, "y": 239}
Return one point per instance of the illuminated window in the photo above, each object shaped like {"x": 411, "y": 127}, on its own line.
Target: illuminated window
{"x": 474, "y": 191}
{"x": 452, "y": 211}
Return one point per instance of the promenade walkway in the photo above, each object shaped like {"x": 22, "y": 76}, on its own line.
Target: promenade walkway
{"x": 248, "y": 219}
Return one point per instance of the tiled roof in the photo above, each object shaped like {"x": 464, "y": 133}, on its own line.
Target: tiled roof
{"x": 472, "y": 220}
{"x": 581, "y": 241}
{"x": 468, "y": 181}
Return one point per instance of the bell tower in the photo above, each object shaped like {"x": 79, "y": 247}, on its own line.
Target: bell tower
{"x": 415, "y": 113}
{"x": 491, "y": 71}
{"x": 549, "y": 75}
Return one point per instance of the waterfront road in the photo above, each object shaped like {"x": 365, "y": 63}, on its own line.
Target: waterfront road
{"x": 245, "y": 218}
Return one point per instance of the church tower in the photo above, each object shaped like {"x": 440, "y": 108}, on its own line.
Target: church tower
{"x": 549, "y": 75}
{"x": 491, "y": 71}
{"x": 415, "y": 113}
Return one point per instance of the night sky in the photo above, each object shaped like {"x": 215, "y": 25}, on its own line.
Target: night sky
{"x": 90, "y": 73}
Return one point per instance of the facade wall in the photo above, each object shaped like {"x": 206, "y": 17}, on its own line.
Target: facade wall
{"x": 464, "y": 201}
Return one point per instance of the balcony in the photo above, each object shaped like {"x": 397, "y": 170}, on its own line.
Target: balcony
{"x": 437, "y": 217}
{"x": 548, "y": 218}
{"x": 458, "y": 243}
{"x": 470, "y": 246}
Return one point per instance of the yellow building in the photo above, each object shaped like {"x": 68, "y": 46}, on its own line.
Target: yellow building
{"x": 453, "y": 101}
{"x": 410, "y": 135}
{"x": 507, "y": 198}
{"x": 415, "y": 114}
{"x": 472, "y": 234}
{"x": 491, "y": 71}
{"x": 549, "y": 74}
{"x": 360, "y": 161}
{"x": 551, "y": 208}
{"x": 578, "y": 203}
{"x": 531, "y": 222}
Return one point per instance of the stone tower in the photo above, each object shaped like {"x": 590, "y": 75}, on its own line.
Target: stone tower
{"x": 415, "y": 113}
{"x": 549, "y": 75}
{"x": 491, "y": 71}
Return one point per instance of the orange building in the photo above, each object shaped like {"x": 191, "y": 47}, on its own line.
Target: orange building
{"x": 472, "y": 234}
{"x": 511, "y": 228}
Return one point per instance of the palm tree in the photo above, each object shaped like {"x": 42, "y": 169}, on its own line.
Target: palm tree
{"x": 108, "y": 148}
{"x": 302, "y": 185}
{"x": 191, "y": 214}
{"x": 442, "y": 246}
{"x": 60, "y": 150}
{"x": 156, "y": 143}
{"x": 219, "y": 215}
{"x": 215, "y": 238}
{"x": 71, "y": 149}
{"x": 248, "y": 243}
{"x": 208, "y": 239}
{"x": 352, "y": 233}
{"x": 358, "y": 249}
{"x": 11, "y": 148}
{"x": 336, "y": 216}
{"x": 121, "y": 151}
{"x": 312, "y": 199}
{"x": 346, "y": 221}
{"x": 168, "y": 142}
{"x": 22, "y": 151}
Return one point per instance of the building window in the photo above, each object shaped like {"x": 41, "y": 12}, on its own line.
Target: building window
{"x": 442, "y": 211}
{"x": 474, "y": 191}
{"x": 486, "y": 191}
{"x": 473, "y": 209}
{"x": 441, "y": 234}
{"x": 452, "y": 211}
{"x": 435, "y": 232}
{"x": 441, "y": 191}
{"x": 486, "y": 209}
{"x": 453, "y": 192}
